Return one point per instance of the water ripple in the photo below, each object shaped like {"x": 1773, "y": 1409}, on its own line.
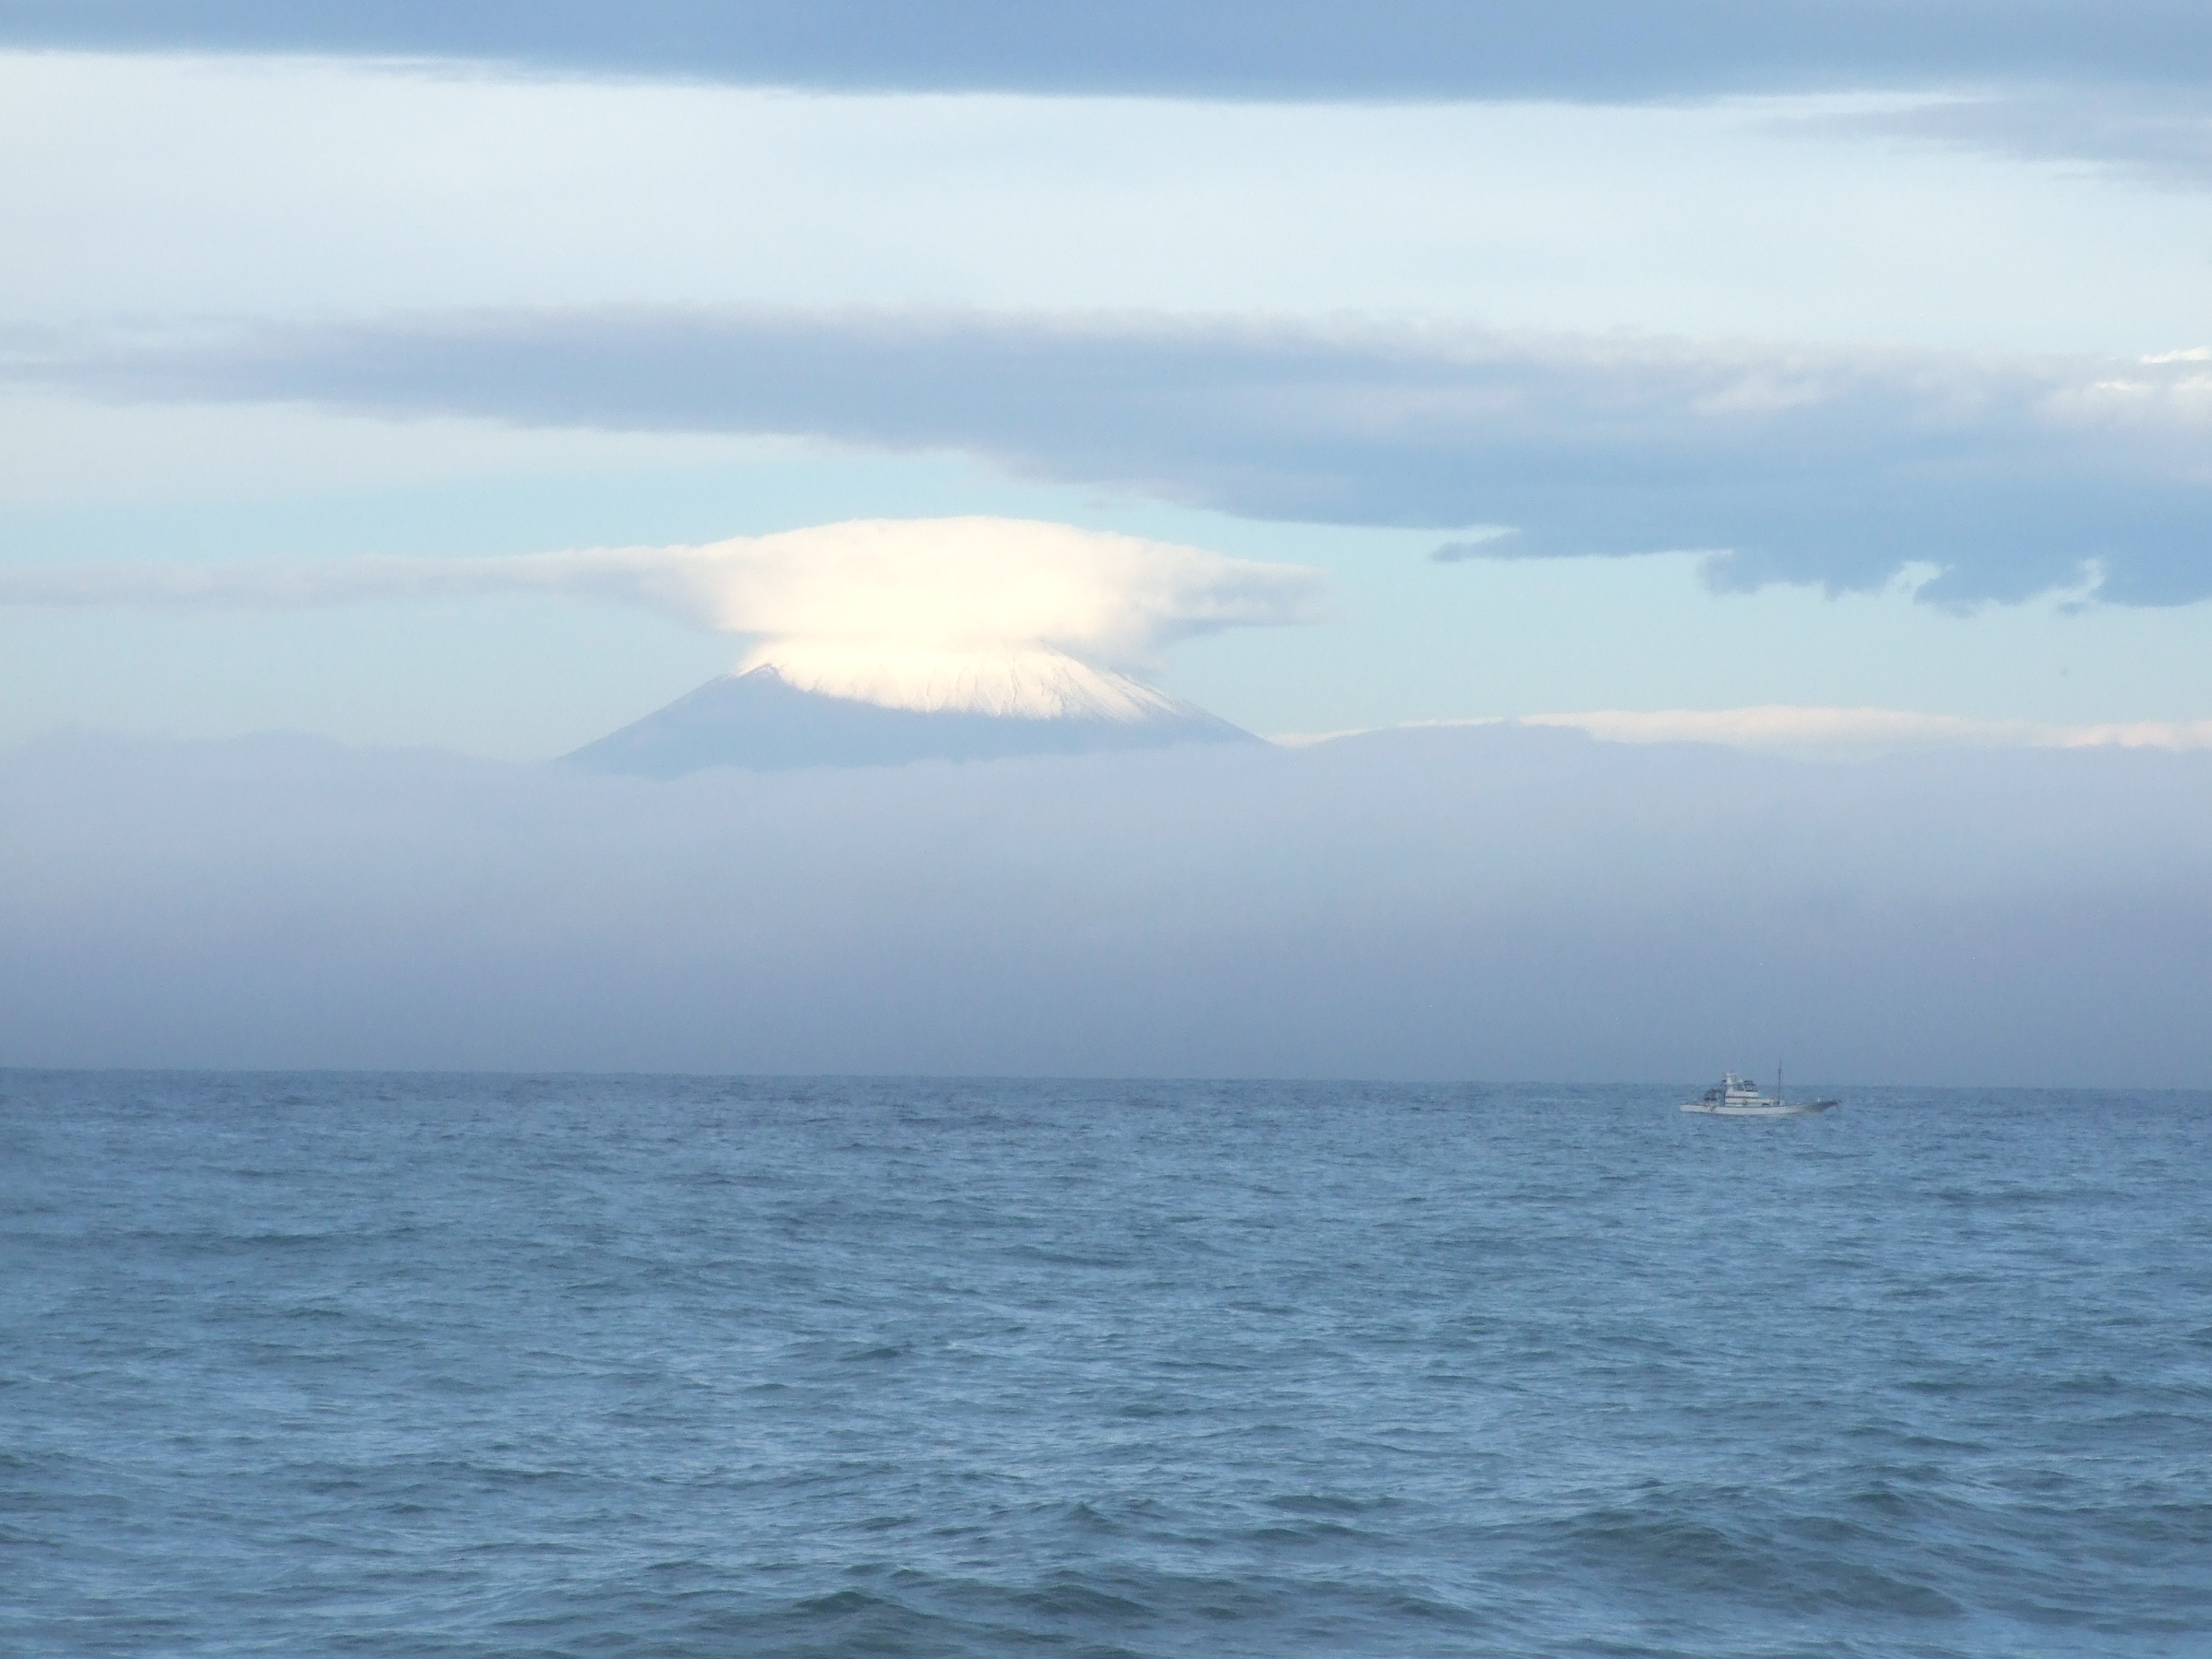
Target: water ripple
{"x": 417, "y": 1366}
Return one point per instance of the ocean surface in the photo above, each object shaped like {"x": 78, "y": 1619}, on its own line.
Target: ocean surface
{"x": 440, "y": 1365}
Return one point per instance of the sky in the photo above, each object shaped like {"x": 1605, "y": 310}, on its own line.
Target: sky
{"x": 1730, "y": 355}
{"x": 1496, "y": 901}
{"x": 446, "y": 385}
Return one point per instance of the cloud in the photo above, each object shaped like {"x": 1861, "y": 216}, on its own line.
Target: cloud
{"x": 1483, "y": 544}
{"x": 1812, "y": 732}
{"x": 1271, "y": 49}
{"x": 1870, "y": 731}
{"x": 1495, "y": 902}
{"x": 2011, "y": 474}
{"x": 2160, "y": 135}
{"x": 944, "y": 585}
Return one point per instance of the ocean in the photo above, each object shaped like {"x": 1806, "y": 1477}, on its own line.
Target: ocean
{"x": 410, "y": 1364}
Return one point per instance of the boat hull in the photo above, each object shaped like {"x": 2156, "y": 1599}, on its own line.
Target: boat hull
{"x": 1794, "y": 1109}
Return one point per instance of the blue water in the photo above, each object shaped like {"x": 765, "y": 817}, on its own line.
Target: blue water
{"x": 386, "y": 1365}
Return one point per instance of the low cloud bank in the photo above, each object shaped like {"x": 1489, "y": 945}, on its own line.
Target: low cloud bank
{"x": 2011, "y": 475}
{"x": 1872, "y": 730}
{"x": 1830, "y": 733}
{"x": 1491, "y": 902}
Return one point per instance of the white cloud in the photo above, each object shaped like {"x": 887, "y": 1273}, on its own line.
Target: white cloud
{"x": 1865, "y": 731}
{"x": 1032, "y": 684}
{"x": 934, "y": 586}
{"x": 1843, "y": 733}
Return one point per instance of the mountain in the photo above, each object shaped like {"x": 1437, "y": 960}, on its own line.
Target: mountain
{"x": 871, "y": 709}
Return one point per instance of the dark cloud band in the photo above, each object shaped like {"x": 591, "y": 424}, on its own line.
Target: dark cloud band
{"x": 1837, "y": 467}
{"x": 1264, "y": 49}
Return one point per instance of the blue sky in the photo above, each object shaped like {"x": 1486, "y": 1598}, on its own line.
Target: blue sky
{"x": 1821, "y": 356}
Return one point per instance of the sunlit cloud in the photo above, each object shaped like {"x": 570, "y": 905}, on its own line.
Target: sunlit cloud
{"x": 957, "y": 586}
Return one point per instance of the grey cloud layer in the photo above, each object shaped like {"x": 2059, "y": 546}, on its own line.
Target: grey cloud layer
{"x": 1292, "y": 48}
{"x": 2162, "y": 137}
{"x": 1835, "y": 467}
{"x": 1489, "y": 902}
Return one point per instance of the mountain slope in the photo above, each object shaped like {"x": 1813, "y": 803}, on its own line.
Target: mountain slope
{"x": 761, "y": 719}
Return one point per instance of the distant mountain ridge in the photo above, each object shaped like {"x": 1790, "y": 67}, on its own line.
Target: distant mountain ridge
{"x": 759, "y": 719}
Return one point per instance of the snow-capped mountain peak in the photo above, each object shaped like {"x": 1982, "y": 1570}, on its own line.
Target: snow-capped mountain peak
{"x": 1033, "y": 682}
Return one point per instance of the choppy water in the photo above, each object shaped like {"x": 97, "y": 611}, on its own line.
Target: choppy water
{"x": 434, "y": 1365}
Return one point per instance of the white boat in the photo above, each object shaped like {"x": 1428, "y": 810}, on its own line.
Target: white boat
{"x": 1738, "y": 1096}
